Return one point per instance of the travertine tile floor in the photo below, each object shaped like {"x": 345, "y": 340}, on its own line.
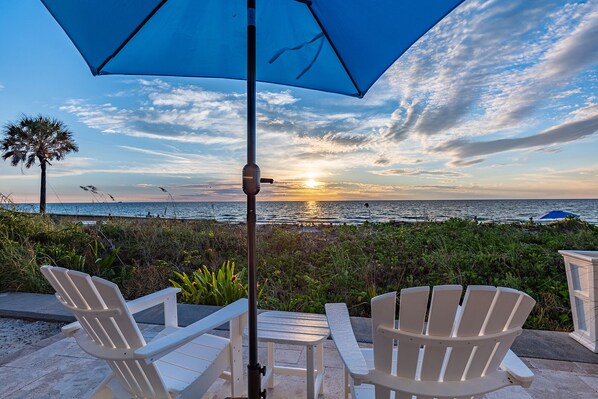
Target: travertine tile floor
{"x": 57, "y": 368}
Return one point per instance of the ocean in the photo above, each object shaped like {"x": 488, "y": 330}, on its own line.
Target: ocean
{"x": 350, "y": 212}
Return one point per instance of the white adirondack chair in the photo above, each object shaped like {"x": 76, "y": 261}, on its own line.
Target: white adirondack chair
{"x": 178, "y": 363}
{"x": 460, "y": 352}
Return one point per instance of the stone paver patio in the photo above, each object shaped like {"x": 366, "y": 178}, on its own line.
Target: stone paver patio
{"x": 57, "y": 368}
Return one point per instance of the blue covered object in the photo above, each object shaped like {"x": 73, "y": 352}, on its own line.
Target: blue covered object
{"x": 558, "y": 215}
{"x": 339, "y": 46}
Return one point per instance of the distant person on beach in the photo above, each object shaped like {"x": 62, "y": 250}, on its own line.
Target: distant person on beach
{"x": 149, "y": 215}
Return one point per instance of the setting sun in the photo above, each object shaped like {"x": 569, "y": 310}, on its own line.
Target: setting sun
{"x": 311, "y": 183}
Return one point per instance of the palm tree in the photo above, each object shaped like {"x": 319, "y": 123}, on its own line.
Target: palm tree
{"x": 40, "y": 139}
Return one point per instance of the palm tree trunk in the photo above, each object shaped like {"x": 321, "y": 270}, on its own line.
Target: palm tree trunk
{"x": 42, "y": 192}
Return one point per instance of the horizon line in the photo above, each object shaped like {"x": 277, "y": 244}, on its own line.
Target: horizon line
{"x": 318, "y": 200}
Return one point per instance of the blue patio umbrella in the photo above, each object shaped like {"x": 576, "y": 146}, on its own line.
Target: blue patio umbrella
{"x": 558, "y": 215}
{"x": 338, "y": 46}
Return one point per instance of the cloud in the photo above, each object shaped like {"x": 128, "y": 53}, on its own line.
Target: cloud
{"x": 441, "y": 187}
{"x": 563, "y": 133}
{"x": 567, "y": 93}
{"x": 187, "y": 114}
{"x": 294, "y": 139}
{"x": 184, "y": 97}
{"x": 417, "y": 172}
{"x": 401, "y": 122}
{"x": 191, "y": 114}
{"x": 142, "y": 123}
{"x": 147, "y": 185}
{"x": 277, "y": 98}
{"x": 152, "y": 152}
{"x": 467, "y": 78}
{"x": 382, "y": 161}
{"x": 574, "y": 52}
{"x": 181, "y": 164}
{"x": 576, "y": 182}
{"x": 461, "y": 162}
{"x": 559, "y": 65}
{"x": 549, "y": 150}
{"x": 331, "y": 143}
{"x": 70, "y": 166}
{"x": 490, "y": 78}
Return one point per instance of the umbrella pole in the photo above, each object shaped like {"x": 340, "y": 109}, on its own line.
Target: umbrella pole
{"x": 251, "y": 187}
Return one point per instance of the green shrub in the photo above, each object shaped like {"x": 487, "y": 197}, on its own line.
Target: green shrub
{"x": 209, "y": 288}
{"x": 304, "y": 270}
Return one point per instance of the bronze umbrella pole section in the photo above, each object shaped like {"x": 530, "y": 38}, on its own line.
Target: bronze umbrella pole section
{"x": 251, "y": 187}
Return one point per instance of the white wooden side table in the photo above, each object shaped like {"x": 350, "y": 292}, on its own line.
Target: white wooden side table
{"x": 303, "y": 329}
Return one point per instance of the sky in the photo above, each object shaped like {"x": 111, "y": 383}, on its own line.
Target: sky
{"x": 499, "y": 100}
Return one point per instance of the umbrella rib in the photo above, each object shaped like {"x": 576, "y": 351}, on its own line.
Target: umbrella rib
{"x": 359, "y": 93}
{"x": 128, "y": 39}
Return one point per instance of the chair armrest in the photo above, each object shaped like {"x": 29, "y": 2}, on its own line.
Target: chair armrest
{"x": 153, "y": 299}
{"x": 344, "y": 338}
{"x": 71, "y": 329}
{"x": 517, "y": 369}
{"x": 158, "y": 348}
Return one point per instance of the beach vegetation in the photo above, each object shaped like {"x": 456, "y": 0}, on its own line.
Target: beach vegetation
{"x": 211, "y": 288}
{"x": 304, "y": 268}
{"x": 39, "y": 139}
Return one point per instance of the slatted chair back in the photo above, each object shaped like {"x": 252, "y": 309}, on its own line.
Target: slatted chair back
{"x": 457, "y": 343}
{"x": 109, "y": 330}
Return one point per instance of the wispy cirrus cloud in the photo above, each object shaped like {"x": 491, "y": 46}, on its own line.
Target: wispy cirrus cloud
{"x": 70, "y": 166}
{"x": 162, "y": 154}
{"x": 417, "y": 172}
{"x": 178, "y": 163}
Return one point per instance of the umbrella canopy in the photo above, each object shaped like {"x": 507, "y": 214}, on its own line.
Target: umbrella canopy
{"x": 339, "y": 46}
{"x": 558, "y": 215}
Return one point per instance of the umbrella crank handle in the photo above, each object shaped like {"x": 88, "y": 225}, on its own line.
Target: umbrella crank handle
{"x": 252, "y": 179}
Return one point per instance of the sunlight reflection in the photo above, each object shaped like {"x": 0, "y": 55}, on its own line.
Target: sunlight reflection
{"x": 313, "y": 210}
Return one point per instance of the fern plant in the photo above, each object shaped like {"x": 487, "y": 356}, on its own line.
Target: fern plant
{"x": 209, "y": 288}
